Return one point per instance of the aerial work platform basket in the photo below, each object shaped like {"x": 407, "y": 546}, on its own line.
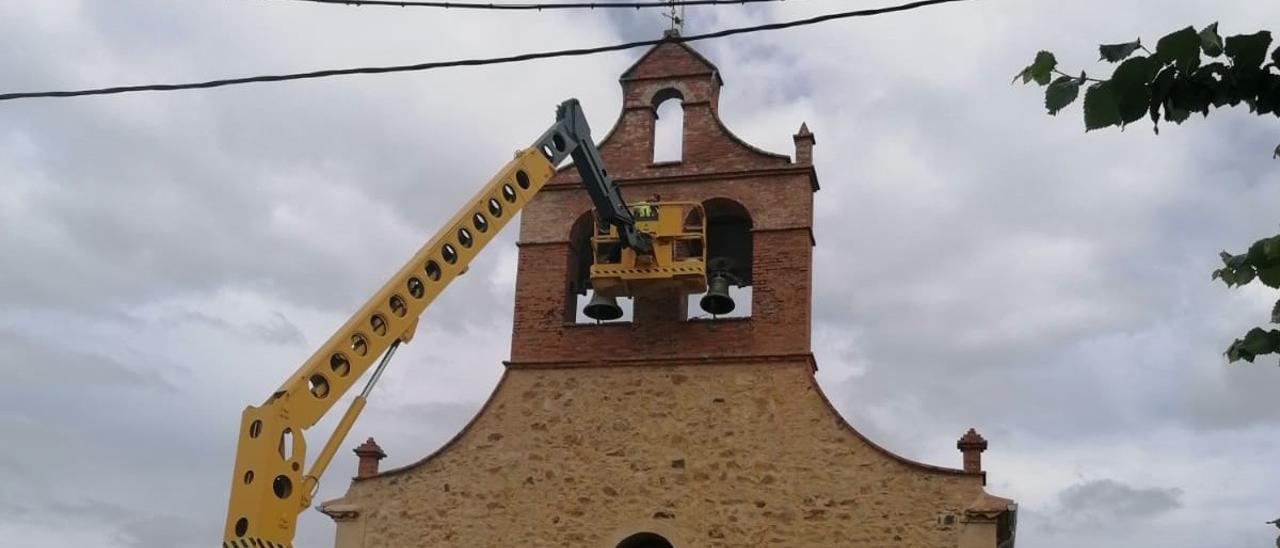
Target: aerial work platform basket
{"x": 678, "y": 261}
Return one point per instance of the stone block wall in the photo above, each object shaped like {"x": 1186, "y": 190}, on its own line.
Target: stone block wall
{"x": 711, "y": 455}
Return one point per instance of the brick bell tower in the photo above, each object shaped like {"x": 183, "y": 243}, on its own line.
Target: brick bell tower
{"x": 759, "y": 209}
{"x": 670, "y": 428}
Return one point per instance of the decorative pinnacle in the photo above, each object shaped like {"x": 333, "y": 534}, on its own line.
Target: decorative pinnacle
{"x": 972, "y": 441}
{"x": 805, "y": 135}
{"x": 370, "y": 450}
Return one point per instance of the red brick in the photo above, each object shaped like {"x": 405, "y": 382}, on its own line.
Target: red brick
{"x": 776, "y": 192}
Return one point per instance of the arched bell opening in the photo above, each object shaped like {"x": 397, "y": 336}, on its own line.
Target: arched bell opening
{"x": 645, "y": 540}
{"x": 581, "y": 305}
{"x": 729, "y": 262}
{"x": 668, "y": 126}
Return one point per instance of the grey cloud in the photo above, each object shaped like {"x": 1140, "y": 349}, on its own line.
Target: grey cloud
{"x": 87, "y": 509}
{"x": 128, "y": 526}
{"x": 276, "y": 330}
{"x": 201, "y": 318}
{"x": 11, "y": 465}
{"x": 1106, "y": 501}
{"x": 158, "y": 530}
{"x": 193, "y": 178}
{"x": 279, "y": 330}
{"x": 34, "y": 363}
{"x": 1232, "y": 397}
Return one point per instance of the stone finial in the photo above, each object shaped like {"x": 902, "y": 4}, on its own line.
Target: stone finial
{"x": 804, "y": 145}
{"x": 971, "y": 445}
{"x": 369, "y": 454}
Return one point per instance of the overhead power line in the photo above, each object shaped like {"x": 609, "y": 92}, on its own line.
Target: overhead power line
{"x": 538, "y": 6}
{"x": 474, "y": 62}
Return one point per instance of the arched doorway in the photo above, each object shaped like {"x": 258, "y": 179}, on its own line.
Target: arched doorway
{"x": 645, "y": 540}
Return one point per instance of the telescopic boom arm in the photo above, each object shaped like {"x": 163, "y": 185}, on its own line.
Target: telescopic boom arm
{"x": 610, "y": 208}
{"x": 268, "y": 486}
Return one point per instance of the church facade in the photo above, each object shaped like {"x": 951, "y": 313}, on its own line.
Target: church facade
{"x": 669, "y": 429}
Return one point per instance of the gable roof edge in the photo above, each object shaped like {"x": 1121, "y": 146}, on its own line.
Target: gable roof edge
{"x": 673, "y": 39}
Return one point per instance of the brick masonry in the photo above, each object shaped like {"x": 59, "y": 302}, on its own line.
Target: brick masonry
{"x": 709, "y": 433}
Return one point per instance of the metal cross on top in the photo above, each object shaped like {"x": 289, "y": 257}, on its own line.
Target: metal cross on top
{"x": 677, "y": 18}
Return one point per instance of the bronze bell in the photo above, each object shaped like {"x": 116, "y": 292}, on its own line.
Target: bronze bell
{"x": 602, "y": 308}
{"x": 717, "y": 300}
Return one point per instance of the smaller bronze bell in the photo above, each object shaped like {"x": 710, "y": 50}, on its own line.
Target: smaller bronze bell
{"x": 602, "y": 308}
{"x": 717, "y": 301}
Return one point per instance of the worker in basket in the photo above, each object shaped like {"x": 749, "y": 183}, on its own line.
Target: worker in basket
{"x": 646, "y": 211}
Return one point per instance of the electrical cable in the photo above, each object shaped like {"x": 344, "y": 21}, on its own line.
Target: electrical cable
{"x": 475, "y": 62}
{"x": 537, "y": 6}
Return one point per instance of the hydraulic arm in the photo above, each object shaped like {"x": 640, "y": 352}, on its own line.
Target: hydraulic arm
{"x": 269, "y": 487}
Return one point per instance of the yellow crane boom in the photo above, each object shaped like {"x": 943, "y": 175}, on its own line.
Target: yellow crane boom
{"x": 268, "y": 486}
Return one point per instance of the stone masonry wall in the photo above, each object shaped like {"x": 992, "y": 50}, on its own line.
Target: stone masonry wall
{"x": 731, "y": 455}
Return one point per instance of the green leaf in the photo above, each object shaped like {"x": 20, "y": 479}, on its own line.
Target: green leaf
{"x": 1100, "y": 107}
{"x": 1270, "y": 276}
{"x": 1220, "y": 81}
{"x": 1060, "y": 93}
{"x": 1211, "y": 41}
{"x": 1268, "y": 93}
{"x": 1244, "y": 275}
{"x": 1275, "y": 313}
{"x": 1275, "y": 55}
{"x": 1129, "y": 85}
{"x": 1272, "y": 248}
{"x": 1039, "y": 70}
{"x": 1233, "y": 261}
{"x": 1257, "y": 341}
{"x": 1190, "y": 96}
{"x": 1174, "y": 113}
{"x": 1247, "y": 82}
{"x": 1228, "y": 276}
{"x": 1138, "y": 70}
{"x": 1118, "y": 52}
{"x": 1042, "y": 68}
{"x": 1238, "y": 351}
{"x": 1233, "y": 352}
{"x": 1248, "y": 50}
{"x": 1257, "y": 254}
{"x": 1160, "y": 89}
{"x": 1276, "y": 153}
{"x": 1024, "y": 74}
{"x": 1181, "y": 48}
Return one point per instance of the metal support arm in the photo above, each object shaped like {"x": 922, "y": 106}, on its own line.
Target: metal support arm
{"x": 571, "y": 126}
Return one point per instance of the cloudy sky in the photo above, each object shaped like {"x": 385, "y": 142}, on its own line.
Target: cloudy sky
{"x": 170, "y": 258}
